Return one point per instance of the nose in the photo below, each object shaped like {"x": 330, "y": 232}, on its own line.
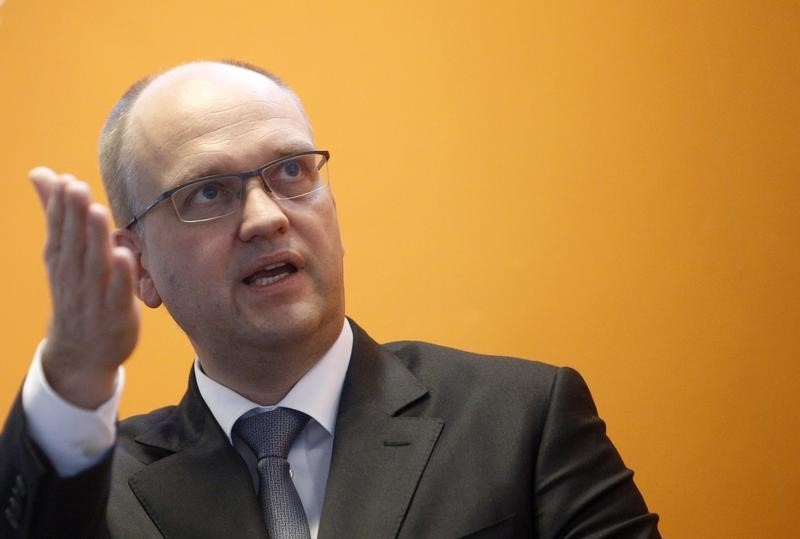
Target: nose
{"x": 261, "y": 216}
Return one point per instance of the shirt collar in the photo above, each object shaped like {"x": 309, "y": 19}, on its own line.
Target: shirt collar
{"x": 316, "y": 394}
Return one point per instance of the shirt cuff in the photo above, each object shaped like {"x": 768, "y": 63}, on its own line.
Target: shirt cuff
{"x": 73, "y": 438}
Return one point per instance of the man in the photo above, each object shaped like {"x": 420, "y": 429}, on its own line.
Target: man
{"x": 409, "y": 440}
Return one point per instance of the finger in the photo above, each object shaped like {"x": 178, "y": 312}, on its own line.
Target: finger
{"x": 97, "y": 260}
{"x": 55, "y": 223}
{"x": 122, "y": 280}
{"x": 43, "y": 179}
{"x": 73, "y": 235}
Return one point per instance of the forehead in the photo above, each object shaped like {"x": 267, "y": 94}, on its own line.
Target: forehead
{"x": 206, "y": 118}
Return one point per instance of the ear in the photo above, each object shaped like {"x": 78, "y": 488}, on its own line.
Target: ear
{"x": 145, "y": 287}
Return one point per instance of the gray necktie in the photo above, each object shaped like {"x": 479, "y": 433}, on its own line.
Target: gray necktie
{"x": 269, "y": 435}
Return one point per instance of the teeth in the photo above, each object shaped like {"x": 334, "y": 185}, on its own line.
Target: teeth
{"x": 263, "y": 281}
{"x": 270, "y": 273}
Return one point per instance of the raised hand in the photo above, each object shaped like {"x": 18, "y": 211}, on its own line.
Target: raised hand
{"x": 95, "y": 320}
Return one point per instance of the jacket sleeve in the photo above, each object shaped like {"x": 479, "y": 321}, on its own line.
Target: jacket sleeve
{"x": 35, "y": 502}
{"x": 582, "y": 487}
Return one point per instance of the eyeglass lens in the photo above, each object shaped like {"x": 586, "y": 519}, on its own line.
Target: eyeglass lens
{"x": 222, "y": 195}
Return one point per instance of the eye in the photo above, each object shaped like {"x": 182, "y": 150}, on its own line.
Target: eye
{"x": 208, "y": 192}
{"x": 213, "y": 193}
{"x": 296, "y": 176}
{"x": 291, "y": 169}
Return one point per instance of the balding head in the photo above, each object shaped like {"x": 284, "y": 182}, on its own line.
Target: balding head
{"x": 120, "y": 155}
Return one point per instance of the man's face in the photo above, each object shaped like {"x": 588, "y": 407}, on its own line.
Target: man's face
{"x": 265, "y": 277}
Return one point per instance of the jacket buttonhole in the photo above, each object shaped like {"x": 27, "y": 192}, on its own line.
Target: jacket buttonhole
{"x": 391, "y": 443}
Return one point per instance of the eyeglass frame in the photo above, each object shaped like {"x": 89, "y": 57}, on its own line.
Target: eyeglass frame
{"x": 243, "y": 176}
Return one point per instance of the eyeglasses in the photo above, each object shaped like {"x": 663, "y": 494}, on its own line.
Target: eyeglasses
{"x": 212, "y": 197}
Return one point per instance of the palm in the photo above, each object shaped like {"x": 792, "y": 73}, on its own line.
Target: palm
{"x": 95, "y": 323}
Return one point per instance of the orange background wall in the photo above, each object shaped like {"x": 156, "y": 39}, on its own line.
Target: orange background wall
{"x": 612, "y": 185}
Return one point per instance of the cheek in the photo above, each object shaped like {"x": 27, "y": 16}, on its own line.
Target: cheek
{"x": 330, "y": 226}
{"x": 189, "y": 270}
{"x": 318, "y": 225}
{"x": 328, "y": 242}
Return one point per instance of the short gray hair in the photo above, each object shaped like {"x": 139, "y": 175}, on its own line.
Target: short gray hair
{"x": 118, "y": 160}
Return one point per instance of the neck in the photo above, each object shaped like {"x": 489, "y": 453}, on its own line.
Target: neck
{"x": 263, "y": 374}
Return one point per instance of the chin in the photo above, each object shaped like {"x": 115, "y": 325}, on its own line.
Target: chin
{"x": 289, "y": 328}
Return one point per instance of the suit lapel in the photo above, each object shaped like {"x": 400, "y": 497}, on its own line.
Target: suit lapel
{"x": 378, "y": 457}
{"x": 201, "y": 489}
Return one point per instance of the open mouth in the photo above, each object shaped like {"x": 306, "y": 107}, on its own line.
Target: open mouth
{"x": 270, "y": 274}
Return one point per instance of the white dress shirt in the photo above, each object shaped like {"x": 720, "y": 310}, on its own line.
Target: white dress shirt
{"x": 316, "y": 394}
{"x": 74, "y": 438}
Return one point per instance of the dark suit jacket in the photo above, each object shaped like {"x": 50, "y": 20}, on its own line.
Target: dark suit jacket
{"x": 429, "y": 442}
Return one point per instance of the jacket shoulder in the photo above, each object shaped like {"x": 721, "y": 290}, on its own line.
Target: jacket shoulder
{"x": 450, "y": 373}
{"x": 419, "y": 355}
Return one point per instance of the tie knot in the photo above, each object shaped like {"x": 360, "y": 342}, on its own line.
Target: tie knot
{"x": 270, "y": 434}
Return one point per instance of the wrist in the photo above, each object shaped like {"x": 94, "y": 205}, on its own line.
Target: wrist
{"x": 85, "y": 386}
